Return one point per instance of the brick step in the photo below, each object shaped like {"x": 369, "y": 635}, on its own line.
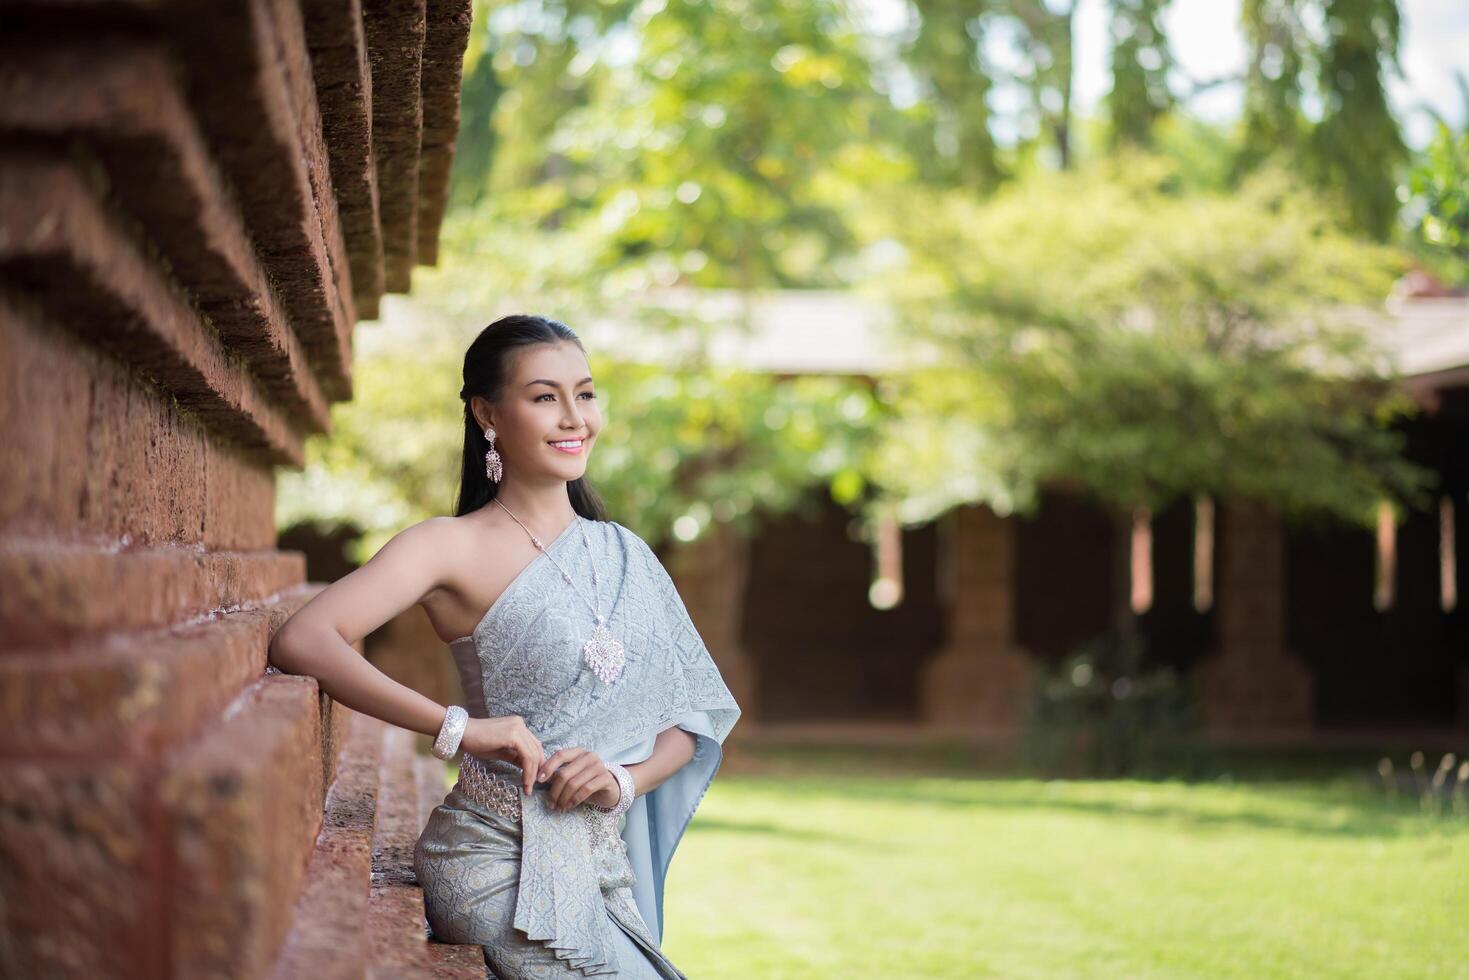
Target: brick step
{"x": 240, "y": 804}
{"x": 135, "y": 694}
{"x": 450, "y": 959}
{"x": 328, "y": 937}
{"x": 401, "y": 945}
{"x": 360, "y": 913}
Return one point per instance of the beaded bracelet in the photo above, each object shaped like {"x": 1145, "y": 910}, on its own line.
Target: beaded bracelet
{"x": 456, "y": 719}
{"x": 625, "y": 784}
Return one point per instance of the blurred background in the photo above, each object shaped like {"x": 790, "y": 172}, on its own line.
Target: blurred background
{"x": 1054, "y": 414}
{"x": 1020, "y": 391}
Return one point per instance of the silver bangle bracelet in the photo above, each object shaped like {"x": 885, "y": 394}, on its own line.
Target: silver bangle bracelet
{"x": 625, "y": 783}
{"x": 456, "y": 719}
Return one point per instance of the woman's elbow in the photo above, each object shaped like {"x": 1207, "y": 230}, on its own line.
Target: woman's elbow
{"x": 284, "y": 652}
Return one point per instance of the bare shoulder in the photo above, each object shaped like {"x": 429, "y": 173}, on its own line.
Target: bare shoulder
{"x": 443, "y": 548}
{"x": 429, "y": 536}
{"x": 412, "y": 564}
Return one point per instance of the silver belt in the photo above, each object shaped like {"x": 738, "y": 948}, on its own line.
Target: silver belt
{"x": 488, "y": 788}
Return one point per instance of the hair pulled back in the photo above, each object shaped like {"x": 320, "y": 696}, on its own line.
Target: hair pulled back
{"x": 486, "y": 365}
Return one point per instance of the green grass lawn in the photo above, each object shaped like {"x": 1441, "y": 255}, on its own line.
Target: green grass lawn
{"x": 797, "y": 865}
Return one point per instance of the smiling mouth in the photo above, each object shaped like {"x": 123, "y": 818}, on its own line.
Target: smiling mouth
{"x": 568, "y": 445}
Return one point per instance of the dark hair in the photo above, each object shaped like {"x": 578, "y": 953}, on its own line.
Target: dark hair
{"x": 485, "y": 366}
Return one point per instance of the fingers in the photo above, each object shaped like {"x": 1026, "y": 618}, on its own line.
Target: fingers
{"x": 530, "y": 761}
{"x": 564, "y": 776}
{"x": 570, "y": 783}
{"x": 551, "y": 764}
{"x": 583, "y": 786}
{"x": 558, "y": 759}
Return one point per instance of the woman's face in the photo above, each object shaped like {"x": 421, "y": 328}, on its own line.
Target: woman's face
{"x": 548, "y": 398}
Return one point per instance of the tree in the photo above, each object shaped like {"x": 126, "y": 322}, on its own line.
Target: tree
{"x": 1354, "y": 151}
{"x": 1045, "y": 43}
{"x": 1104, "y": 329}
{"x": 1273, "y": 121}
{"x": 1437, "y": 191}
{"x": 945, "y": 54}
{"x": 1357, "y": 149}
{"x": 686, "y": 442}
{"x": 1140, "y": 65}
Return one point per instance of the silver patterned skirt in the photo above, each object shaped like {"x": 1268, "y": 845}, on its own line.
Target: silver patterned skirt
{"x": 468, "y": 863}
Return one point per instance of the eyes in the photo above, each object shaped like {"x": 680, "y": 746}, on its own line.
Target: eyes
{"x": 588, "y": 394}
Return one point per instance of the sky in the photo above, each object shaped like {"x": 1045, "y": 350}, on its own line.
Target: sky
{"x": 1207, "y": 42}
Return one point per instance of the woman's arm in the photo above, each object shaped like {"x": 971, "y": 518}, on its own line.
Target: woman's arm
{"x": 318, "y": 640}
{"x": 578, "y": 774}
{"x": 672, "y": 750}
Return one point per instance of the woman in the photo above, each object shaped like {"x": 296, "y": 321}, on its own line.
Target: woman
{"x": 594, "y": 719}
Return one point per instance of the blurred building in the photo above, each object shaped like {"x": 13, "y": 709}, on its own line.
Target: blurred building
{"x": 1289, "y": 631}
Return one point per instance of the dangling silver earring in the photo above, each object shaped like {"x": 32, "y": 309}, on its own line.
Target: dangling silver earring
{"x": 493, "y": 468}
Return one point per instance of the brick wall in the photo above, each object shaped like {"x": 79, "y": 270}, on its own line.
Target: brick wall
{"x": 197, "y": 203}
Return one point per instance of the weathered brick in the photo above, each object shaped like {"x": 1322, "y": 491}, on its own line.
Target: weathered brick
{"x": 448, "y": 24}
{"x": 119, "y": 93}
{"x": 115, "y": 463}
{"x": 338, "y": 46}
{"x": 68, "y": 251}
{"x": 78, "y": 870}
{"x": 133, "y": 694}
{"x": 328, "y": 937}
{"x": 243, "y": 805}
{"x": 53, "y": 592}
{"x": 395, "y": 33}
{"x": 248, "y": 107}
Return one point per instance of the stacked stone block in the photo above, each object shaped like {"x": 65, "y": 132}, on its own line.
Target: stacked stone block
{"x": 197, "y": 203}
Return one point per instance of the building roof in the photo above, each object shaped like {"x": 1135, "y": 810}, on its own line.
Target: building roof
{"x": 814, "y": 331}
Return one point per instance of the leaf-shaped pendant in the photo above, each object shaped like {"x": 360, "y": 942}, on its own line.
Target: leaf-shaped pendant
{"x": 604, "y": 654}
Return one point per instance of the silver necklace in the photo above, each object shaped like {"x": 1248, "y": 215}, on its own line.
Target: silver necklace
{"x": 602, "y": 651}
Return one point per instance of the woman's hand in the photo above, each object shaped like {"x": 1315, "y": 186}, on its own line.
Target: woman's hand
{"x": 508, "y": 739}
{"x": 577, "y": 776}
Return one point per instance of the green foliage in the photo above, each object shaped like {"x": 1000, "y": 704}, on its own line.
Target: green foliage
{"x": 1354, "y": 151}
{"x": 1140, "y": 65}
{"x": 1128, "y": 326}
{"x": 1099, "y": 713}
{"x": 1280, "y": 51}
{"x": 714, "y": 153}
{"x": 685, "y": 448}
{"x": 479, "y": 95}
{"x": 391, "y": 457}
{"x": 1438, "y": 191}
{"x": 710, "y": 142}
{"x": 1107, "y": 328}
{"x": 1043, "y": 37}
{"x": 684, "y": 443}
{"x": 1357, "y": 148}
{"x": 944, "y": 52}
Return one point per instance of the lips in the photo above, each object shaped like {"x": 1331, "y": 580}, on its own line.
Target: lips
{"x": 570, "y": 447}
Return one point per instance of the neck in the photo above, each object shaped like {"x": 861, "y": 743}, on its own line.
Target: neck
{"x": 545, "y": 509}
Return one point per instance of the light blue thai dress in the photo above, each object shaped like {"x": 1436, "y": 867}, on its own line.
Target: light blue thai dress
{"x": 555, "y": 894}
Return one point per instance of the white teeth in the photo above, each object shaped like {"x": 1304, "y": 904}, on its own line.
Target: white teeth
{"x": 568, "y": 445}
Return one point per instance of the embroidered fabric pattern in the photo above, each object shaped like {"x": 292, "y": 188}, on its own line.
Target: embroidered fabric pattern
{"x": 604, "y": 833}
{"x": 569, "y": 876}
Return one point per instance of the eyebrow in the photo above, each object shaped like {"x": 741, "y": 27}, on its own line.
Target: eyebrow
{"x": 557, "y": 384}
